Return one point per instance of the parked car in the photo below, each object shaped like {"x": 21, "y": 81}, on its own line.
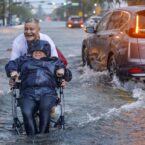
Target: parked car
{"x": 117, "y": 44}
{"x": 92, "y": 21}
{"x": 74, "y": 21}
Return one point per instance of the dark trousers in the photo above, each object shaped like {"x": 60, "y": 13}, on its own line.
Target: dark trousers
{"x": 30, "y": 107}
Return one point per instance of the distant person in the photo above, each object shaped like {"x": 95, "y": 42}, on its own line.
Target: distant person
{"x": 39, "y": 75}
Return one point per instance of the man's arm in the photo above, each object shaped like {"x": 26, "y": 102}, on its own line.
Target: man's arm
{"x": 12, "y": 71}
{"x": 14, "y": 65}
{"x": 15, "y": 51}
{"x": 10, "y": 67}
{"x": 19, "y": 47}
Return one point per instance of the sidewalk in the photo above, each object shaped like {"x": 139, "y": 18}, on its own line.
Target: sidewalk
{"x": 7, "y": 29}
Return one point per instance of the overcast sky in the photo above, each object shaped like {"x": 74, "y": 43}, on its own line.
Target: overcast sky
{"x": 47, "y": 8}
{"x": 56, "y": 1}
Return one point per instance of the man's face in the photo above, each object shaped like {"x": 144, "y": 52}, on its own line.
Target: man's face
{"x": 31, "y": 31}
{"x": 38, "y": 54}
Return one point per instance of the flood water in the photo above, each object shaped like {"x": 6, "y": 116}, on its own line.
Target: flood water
{"x": 97, "y": 111}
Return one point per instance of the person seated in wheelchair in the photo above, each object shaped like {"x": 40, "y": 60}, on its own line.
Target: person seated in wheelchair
{"x": 39, "y": 76}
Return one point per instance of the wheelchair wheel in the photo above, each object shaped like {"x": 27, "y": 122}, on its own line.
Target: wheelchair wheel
{"x": 17, "y": 126}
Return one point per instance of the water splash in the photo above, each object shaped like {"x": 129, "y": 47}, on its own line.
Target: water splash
{"x": 136, "y": 89}
{"x": 91, "y": 76}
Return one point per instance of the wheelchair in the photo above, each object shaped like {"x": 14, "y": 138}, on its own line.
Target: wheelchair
{"x": 18, "y": 125}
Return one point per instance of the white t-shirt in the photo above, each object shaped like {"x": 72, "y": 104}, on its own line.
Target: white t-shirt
{"x": 19, "y": 46}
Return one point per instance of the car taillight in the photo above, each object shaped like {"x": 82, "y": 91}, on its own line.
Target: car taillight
{"x": 135, "y": 70}
{"x": 136, "y": 30}
{"x": 137, "y": 25}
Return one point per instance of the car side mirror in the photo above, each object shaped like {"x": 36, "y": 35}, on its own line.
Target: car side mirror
{"x": 90, "y": 30}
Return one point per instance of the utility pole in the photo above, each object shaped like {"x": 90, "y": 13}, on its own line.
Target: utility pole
{"x": 10, "y": 3}
{"x": 81, "y": 8}
{"x": 3, "y": 12}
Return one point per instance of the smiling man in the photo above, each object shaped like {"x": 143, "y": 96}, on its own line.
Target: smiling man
{"x": 30, "y": 35}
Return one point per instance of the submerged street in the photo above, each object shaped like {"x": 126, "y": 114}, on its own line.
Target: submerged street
{"x": 97, "y": 112}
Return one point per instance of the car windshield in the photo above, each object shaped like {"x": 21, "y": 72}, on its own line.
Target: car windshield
{"x": 96, "y": 19}
{"x": 75, "y": 19}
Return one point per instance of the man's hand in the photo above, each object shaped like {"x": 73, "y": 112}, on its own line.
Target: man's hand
{"x": 60, "y": 72}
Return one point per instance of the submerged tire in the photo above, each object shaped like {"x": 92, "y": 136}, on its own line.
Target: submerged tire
{"x": 84, "y": 56}
{"x": 112, "y": 67}
{"x": 85, "y": 59}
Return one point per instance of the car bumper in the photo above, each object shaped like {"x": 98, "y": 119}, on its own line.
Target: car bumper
{"x": 75, "y": 25}
{"x": 135, "y": 72}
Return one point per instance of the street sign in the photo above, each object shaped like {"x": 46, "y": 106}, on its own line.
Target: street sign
{"x": 80, "y": 13}
{"x": 98, "y": 10}
{"x": 75, "y": 4}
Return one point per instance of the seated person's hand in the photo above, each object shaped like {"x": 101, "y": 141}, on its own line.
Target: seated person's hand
{"x": 60, "y": 72}
{"x": 63, "y": 83}
{"x": 14, "y": 77}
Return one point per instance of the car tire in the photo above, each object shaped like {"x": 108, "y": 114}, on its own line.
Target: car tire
{"x": 85, "y": 56}
{"x": 112, "y": 67}
{"x": 85, "y": 59}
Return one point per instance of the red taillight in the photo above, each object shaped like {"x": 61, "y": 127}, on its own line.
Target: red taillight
{"x": 135, "y": 70}
{"x": 137, "y": 25}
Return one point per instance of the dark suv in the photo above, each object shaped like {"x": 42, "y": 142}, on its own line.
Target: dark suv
{"x": 117, "y": 43}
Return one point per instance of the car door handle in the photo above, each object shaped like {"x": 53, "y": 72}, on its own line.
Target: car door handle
{"x": 111, "y": 35}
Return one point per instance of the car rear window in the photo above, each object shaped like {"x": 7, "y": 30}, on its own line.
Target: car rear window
{"x": 138, "y": 28}
{"x": 141, "y": 16}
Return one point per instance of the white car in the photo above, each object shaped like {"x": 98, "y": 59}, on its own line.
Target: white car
{"x": 92, "y": 21}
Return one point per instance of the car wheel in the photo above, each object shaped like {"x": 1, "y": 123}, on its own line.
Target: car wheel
{"x": 112, "y": 67}
{"x": 84, "y": 56}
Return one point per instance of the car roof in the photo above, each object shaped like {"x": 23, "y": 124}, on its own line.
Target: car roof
{"x": 94, "y": 17}
{"x": 74, "y": 16}
{"x": 133, "y": 9}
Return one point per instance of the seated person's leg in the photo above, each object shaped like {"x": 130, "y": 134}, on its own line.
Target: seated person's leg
{"x": 46, "y": 104}
{"x": 28, "y": 108}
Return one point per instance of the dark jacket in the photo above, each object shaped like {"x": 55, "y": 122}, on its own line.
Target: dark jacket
{"x": 37, "y": 76}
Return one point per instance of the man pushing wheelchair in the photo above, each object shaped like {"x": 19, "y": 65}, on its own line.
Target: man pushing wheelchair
{"x": 40, "y": 77}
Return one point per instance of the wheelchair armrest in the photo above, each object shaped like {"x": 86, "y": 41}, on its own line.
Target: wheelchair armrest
{"x": 58, "y": 101}
{"x": 17, "y": 84}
